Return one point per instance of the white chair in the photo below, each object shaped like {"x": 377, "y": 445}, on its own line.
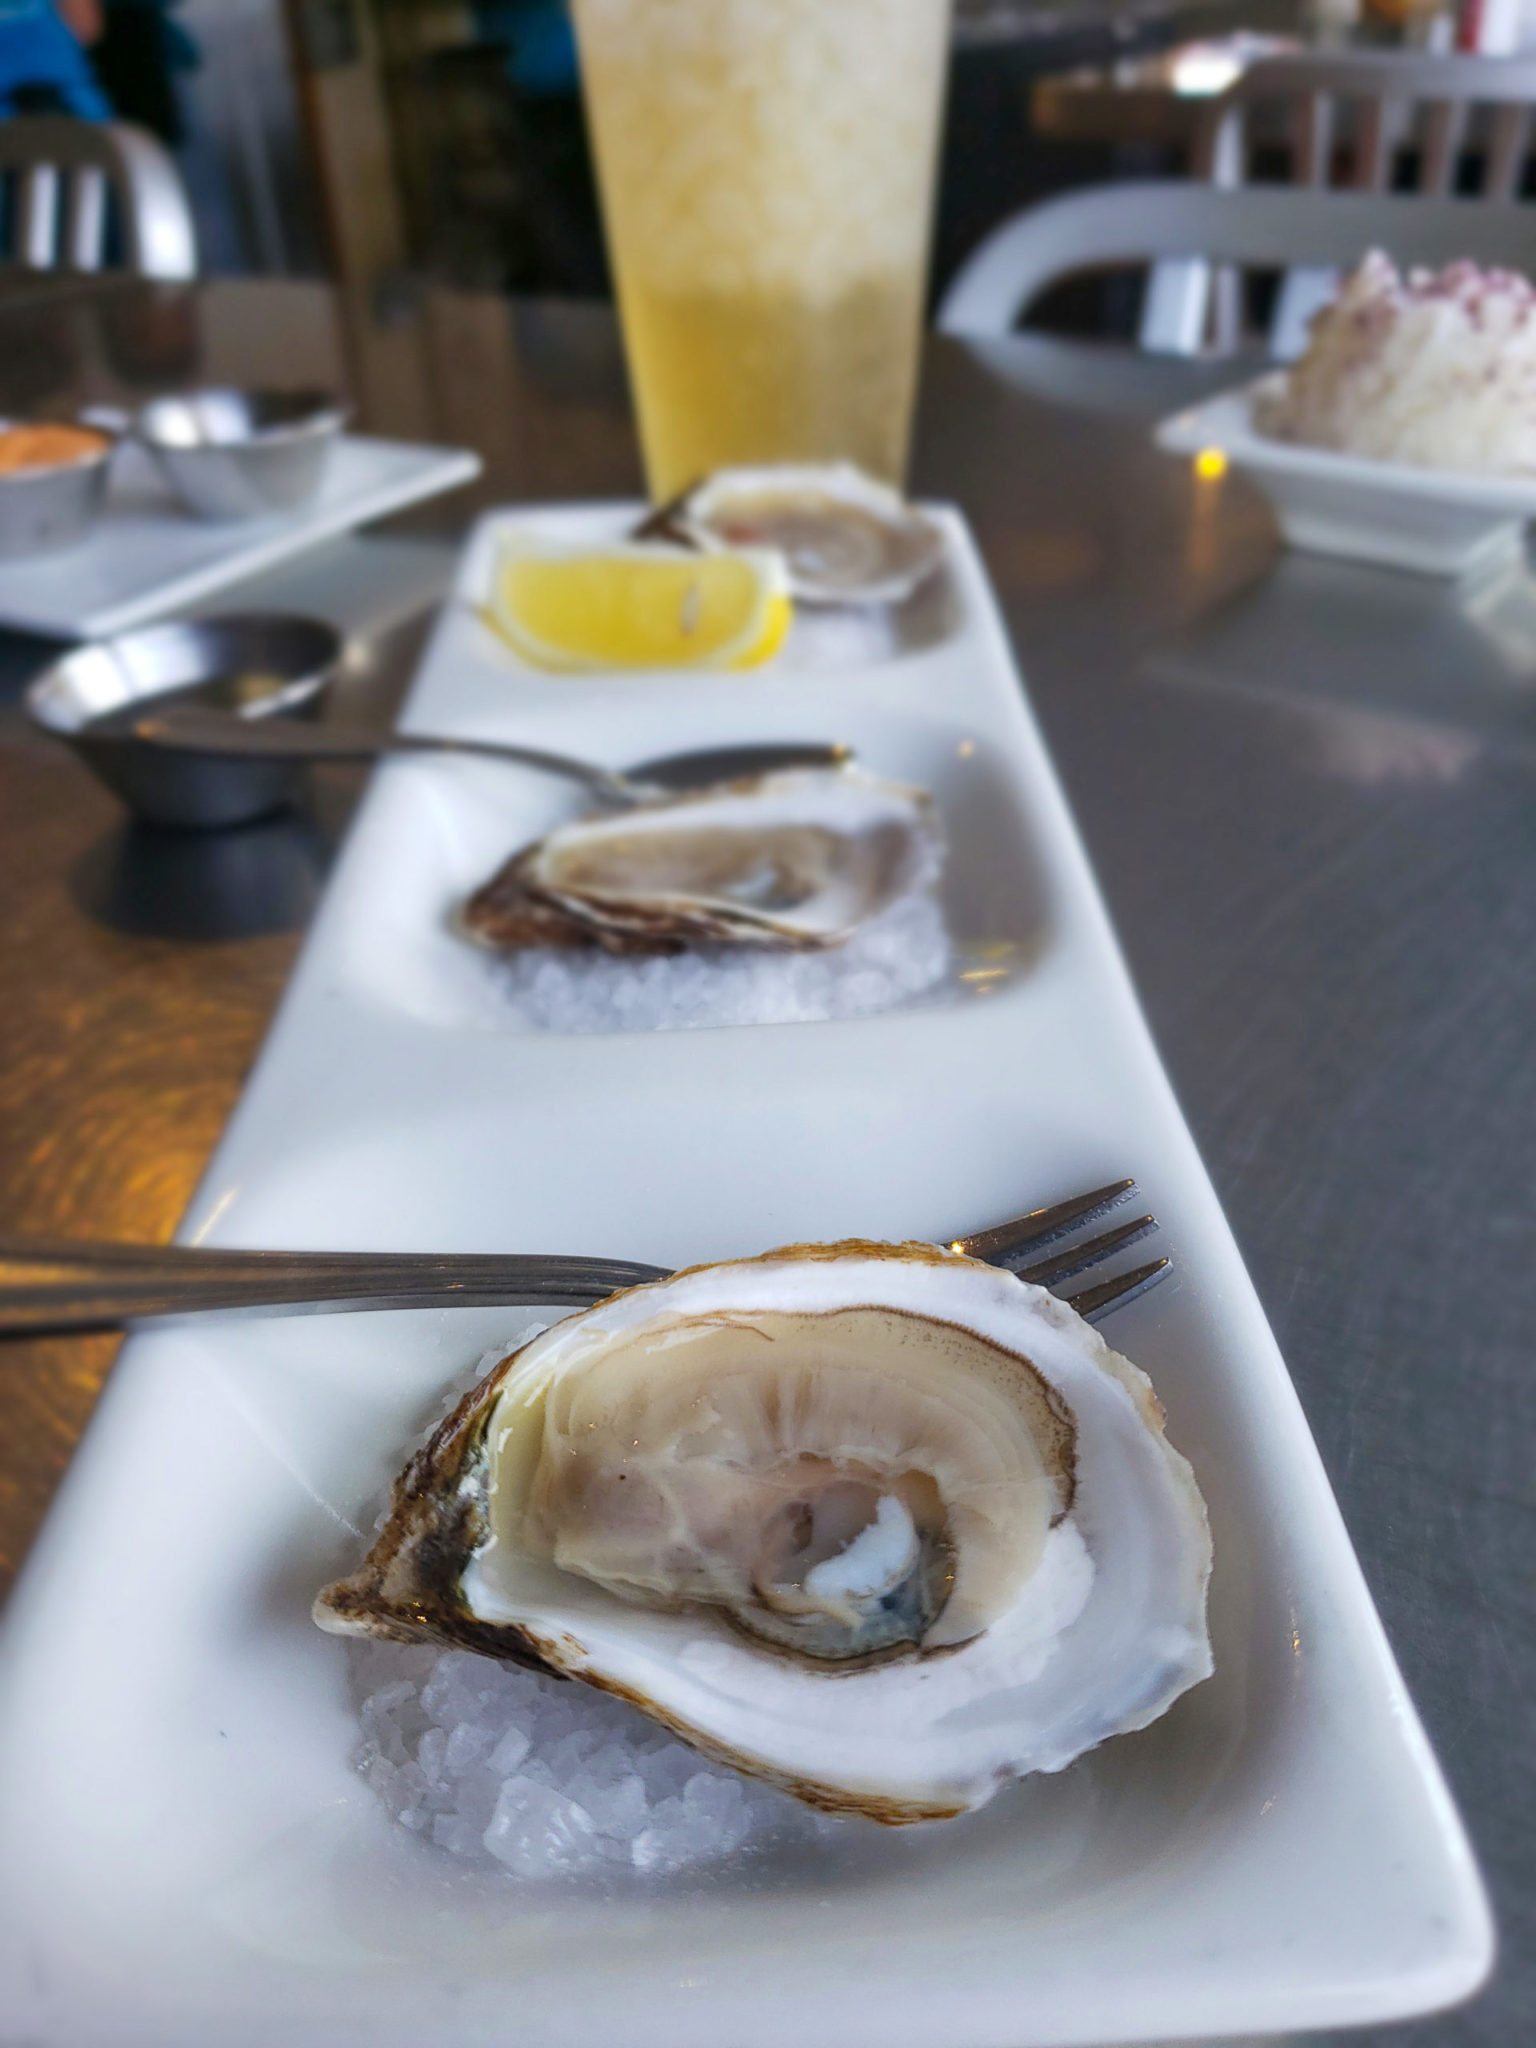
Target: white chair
{"x": 1372, "y": 114}
{"x": 1262, "y": 227}
{"x": 62, "y": 173}
{"x": 1398, "y": 98}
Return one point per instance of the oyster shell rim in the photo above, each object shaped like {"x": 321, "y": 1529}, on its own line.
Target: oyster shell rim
{"x": 511, "y": 909}
{"x": 388, "y": 1596}
{"x": 841, "y": 480}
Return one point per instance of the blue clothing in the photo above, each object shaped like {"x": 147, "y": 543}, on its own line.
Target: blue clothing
{"x": 41, "y": 61}
{"x": 540, "y": 43}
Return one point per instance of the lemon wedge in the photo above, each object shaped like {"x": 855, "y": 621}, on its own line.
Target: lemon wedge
{"x": 641, "y": 607}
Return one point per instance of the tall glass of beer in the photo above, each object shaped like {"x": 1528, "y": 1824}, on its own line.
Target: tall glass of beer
{"x": 766, "y": 169}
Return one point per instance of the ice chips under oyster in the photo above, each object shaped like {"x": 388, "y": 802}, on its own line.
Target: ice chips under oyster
{"x": 880, "y": 1524}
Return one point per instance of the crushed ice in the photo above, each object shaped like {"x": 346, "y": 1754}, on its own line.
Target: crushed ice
{"x": 896, "y": 957}
{"x": 548, "y": 1778}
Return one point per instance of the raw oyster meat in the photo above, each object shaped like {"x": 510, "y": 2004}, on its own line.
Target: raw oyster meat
{"x": 797, "y": 859}
{"x": 847, "y": 539}
{"x": 880, "y": 1524}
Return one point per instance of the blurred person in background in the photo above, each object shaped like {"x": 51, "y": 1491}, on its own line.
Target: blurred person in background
{"x": 540, "y": 44}
{"x": 43, "y": 65}
{"x": 555, "y": 242}
{"x": 136, "y": 58}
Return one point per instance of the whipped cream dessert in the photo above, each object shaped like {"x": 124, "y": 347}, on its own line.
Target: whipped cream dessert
{"x": 1437, "y": 368}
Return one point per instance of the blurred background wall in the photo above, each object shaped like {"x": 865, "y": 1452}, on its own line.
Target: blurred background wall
{"x": 443, "y": 138}
{"x": 244, "y": 151}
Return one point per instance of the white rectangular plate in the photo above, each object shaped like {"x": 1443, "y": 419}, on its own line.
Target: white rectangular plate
{"x": 1437, "y": 522}
{"x": 146, "y": 555}
{"x": 188, "y": 1855}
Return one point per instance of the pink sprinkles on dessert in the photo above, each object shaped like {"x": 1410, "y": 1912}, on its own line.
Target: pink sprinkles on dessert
{"x": 1437, "y": 369}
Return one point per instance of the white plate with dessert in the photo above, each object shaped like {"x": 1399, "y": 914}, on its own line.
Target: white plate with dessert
{"x": 1406, "y": 433}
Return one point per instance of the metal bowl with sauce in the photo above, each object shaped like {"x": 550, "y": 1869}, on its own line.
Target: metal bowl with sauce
{"x": 232, "y": 454}
{"x": 52, "y": 475}
{"x": 260, "y": 665}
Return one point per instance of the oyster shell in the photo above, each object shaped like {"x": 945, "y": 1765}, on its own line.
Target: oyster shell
{"x": 878, "y": 1523}
{"x": 799, "y": 859}
{"x": 847, "y": 538}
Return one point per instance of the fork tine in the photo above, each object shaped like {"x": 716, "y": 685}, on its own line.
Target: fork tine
{"x": 1092, "y": 1251}
{"x": 1094, "y": 1303}
{"x": 1042, "y": 1226}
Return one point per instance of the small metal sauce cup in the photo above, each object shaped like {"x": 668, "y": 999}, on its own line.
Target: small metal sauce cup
{"x": 44, "y": 509}
{"x": 241, "y": 454}
{"x": 256, "y": 666}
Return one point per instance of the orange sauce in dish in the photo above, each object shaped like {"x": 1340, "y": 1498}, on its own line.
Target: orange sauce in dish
{"x": 47, "y": 447}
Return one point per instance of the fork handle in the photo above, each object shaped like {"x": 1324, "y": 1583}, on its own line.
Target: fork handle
{"x": 63, "y": 1284}
{"x": 57, "y": 1286}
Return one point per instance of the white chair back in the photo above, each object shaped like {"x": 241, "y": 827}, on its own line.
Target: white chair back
{"x": 61, "y": 174}
{"x": 1398, "y": 99}
{"x": 1375, "y": 115}
{"x": 1262, "y": 227}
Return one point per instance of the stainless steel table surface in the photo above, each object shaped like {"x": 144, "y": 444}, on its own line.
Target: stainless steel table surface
{"x": 1309, "y": 790}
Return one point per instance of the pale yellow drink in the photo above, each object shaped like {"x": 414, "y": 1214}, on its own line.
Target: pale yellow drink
{"x": 767, "y": 178}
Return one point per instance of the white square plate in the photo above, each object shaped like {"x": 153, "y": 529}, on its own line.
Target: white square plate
{"x": 187, "y": 1854}
{"x": 146, "y": 555}
{"x": 1437, "y": 522}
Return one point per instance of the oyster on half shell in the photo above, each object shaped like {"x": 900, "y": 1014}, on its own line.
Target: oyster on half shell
{"x": 847, "y": 538}
{"x": 878, "y": 1523}
{"x": 799, "y": 860}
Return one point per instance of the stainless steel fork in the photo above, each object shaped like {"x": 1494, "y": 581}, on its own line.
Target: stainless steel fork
{"x": 52, "y": 1285}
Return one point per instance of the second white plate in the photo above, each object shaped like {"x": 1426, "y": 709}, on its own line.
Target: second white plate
{"x": 146, "y": 556}
{"x": 1436, "y": 522}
